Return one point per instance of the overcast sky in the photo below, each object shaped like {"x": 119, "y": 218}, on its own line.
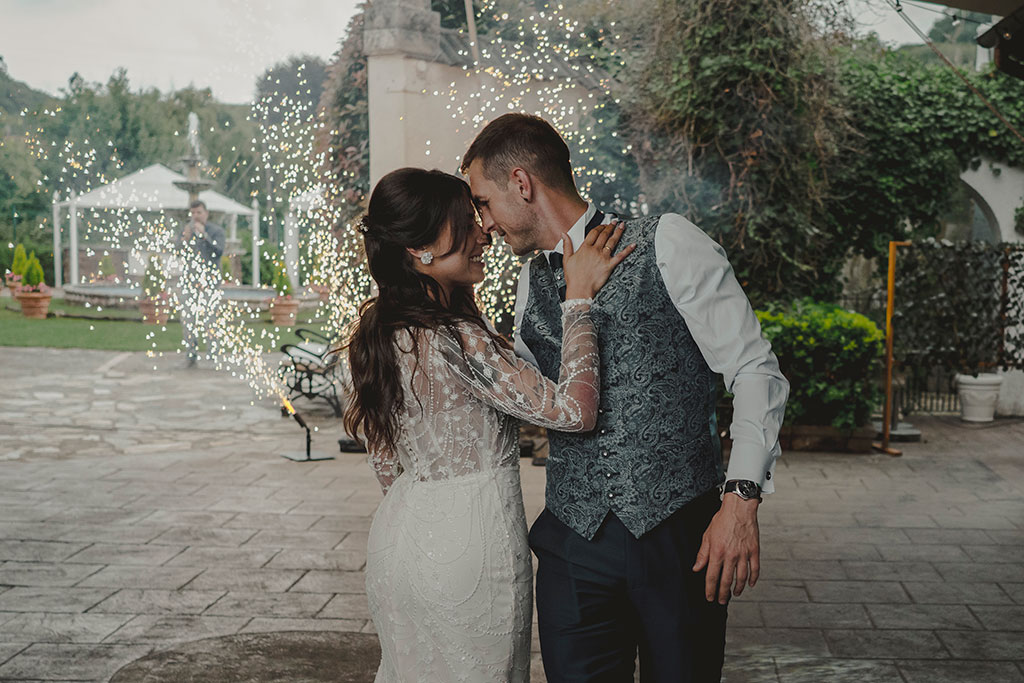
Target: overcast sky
{"x": 223, "y": 44}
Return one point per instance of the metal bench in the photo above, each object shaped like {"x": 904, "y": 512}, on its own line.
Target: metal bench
{"x": 312, "y": 370}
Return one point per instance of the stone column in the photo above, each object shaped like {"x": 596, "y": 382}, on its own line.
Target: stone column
{"x": 398, "y": 35}
{"x": 58, "y": 247}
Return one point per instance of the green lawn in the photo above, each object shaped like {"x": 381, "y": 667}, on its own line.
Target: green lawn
{"x": 129, "y": 334}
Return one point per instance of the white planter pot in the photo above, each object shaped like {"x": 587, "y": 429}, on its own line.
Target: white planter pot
{"x": 978, "y": 396}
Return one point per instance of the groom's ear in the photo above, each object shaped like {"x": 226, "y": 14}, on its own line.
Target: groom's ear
{"x": 522, "y": 183}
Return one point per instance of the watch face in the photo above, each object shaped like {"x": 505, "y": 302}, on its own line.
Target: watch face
{"x": 747, "y": 489}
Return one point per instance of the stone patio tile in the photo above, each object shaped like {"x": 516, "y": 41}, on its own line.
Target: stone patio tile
{"x": 140, "y": 601}
{"x": 223, "y": 557}
{"x": 988, "y": 645}
{"x": 996, "y": 553}
{"x": 867, "y": 643}
{"x": 318, "y": 581}
{"x": 141, "y": 577}
{"x": 310, "y": 540}
{"x": 350, "y": 606}
{"x": 137, "y": 554}
{"x": 266, "y": 624}
{"x": 771, "y": 642}
{"x": 797, "y": 534}
{"x": 360, "y": 523}
{"x": 28, "y": 513}
{"x": 44, "y": 574}
{"x": 100, "y": 516}
{"x": 744, "y": 614}
{"x": 974, "y": 521}
{"x": 927, "y": 553}
{"x": 258, "y": 505}
{"x": 1015, "y": 591}
{"x": 820, "y": 670}
{"x": 343, "y": 560}
{"x": 50, "y": 627}
{"x": 959, "y": 672}
{"x": 204, "y": 536}
{"x": 247, "y": 603}
{"x": 47, "y": 662}
{"x": 788, "y": 570}
{"x": 344, "y": 508}
{"x": 814, "y": 615}
{"x": 51, "y": 599}
{"x": 136, "y": 533}
{"x": 979, "y": 571}
{"x": 835, "y": 551}
{"x": 188, "y": 518}
{"x": 879, "y": 536}
{"x": 167, "y": 629}
{"x": 272, "y": 521}
{"x": 32, "y": 531}
{"x": 922, "y": 617}
{"x": 37, "y": 551}
{"x": 8, "y": 650}
{"x": 815, "y": 519}
{"x": 857, "y": 591}
{"x": 357, "y": 540}
{"x": 961, "y": 592}
{"x": 243, "y": 579}
{"x": 994, "y": 617}
{"x": 947, "y": 536}
{"x": 1006, "y": 537}
{"x": 774, "y": 591}
{"x": 889, "y": 571}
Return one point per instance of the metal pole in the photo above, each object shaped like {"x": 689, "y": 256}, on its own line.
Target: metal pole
{"x": 890, "y": 299}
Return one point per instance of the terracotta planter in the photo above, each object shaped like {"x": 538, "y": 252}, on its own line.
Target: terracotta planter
{"x": 322, "y": 291}
{"x": 34, "y": 304}
{"x": 154, "y": 311}
{"x": 13, "y": 283}
{"x": 978, "y": 396}
{"x": 283, "y": 310}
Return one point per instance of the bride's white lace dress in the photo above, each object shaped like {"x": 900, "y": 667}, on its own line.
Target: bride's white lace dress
{"x": 448, "y": 572}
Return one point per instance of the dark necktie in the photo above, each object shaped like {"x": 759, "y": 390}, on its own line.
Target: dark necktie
{"x": 555, "y": 259}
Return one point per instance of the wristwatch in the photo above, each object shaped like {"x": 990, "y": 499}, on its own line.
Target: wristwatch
{"x": 744, "y": 488}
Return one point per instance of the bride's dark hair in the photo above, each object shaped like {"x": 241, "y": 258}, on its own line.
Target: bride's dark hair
{"x": 409, "y": 208}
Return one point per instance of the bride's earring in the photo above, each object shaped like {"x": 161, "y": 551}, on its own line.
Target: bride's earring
{"x": 426, "y": 258}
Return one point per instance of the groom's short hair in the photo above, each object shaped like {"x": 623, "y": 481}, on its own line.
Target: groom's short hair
{"x": 522, "y": 141}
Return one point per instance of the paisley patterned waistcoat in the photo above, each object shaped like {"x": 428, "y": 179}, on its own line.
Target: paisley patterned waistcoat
{"x": 655, "y": 446}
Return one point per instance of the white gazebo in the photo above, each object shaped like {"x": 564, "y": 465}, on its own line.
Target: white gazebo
{"x": 148, "y": 190}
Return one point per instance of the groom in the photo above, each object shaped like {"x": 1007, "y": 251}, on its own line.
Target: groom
{"x": 638, "y": 551}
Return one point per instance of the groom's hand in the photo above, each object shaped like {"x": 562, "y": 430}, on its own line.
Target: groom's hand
{"x": 730, "y": 549}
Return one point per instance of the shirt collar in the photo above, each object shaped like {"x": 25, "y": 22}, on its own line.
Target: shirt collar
{"x": 576, "y": 231}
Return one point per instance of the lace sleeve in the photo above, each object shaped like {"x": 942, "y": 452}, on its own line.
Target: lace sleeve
{"x": 513, "y": 386}
{"x": 386, "y": 466}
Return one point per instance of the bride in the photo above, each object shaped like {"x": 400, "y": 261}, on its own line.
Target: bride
{"x": 438, "y": 395}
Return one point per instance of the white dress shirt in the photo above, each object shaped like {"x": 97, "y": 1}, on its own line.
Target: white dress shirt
{"x": 700, "y": 281}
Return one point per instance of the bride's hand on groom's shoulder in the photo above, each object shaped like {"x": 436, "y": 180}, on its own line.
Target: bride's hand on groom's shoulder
{"x": 588, "y": 269}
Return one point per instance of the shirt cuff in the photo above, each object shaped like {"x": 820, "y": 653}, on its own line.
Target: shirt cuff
{"x": 754, "y": 463}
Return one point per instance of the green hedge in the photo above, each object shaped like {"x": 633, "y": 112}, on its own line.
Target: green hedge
{"x": 831, "y": 357}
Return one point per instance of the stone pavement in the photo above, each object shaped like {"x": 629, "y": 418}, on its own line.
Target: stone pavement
{"x": 143, "y": 506}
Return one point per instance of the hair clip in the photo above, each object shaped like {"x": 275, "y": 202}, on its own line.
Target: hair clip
{"x": 364, "y": 225}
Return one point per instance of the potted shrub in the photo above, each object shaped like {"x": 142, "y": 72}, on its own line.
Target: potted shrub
{"x": 33, "y": 294}
{"x": 17, "y": 272}
{"x": 153, "y": 302}
{"x": 832, "y": 358}
{"x": 284, "y": 306}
